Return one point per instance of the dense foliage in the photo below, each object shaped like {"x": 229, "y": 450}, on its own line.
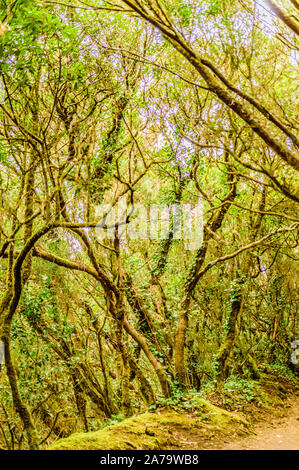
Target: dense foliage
{"x": 157, "y": 103}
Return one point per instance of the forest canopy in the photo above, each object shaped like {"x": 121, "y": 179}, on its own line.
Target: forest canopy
{"x": 172, "y": 107}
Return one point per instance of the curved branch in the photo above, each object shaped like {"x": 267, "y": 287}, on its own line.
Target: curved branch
{"x": 217, "y": 86}
{"x": 286, "y": 19}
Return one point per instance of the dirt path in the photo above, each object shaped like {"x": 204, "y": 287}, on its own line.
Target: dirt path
{"x": 279, "y": 434}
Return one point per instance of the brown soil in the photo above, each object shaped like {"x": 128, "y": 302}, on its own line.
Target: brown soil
{"x": 275, "y": 430}
{"x": 276, "y": 434}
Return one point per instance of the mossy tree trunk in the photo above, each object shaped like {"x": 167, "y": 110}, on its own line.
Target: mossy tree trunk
{"x": 194, "y": 275}
{"x": 18, "y": 275}
{"x": 226, "y": 349}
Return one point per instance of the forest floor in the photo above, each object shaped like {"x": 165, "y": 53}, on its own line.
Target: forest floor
{"x": 267, "y": 420}
{"x": 275, "y": 430}
{"x": 278, "y": 433}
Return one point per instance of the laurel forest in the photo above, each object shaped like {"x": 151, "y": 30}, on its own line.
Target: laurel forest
{"x": 186, "y": 111}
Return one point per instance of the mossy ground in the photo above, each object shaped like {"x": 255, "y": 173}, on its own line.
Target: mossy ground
{"x": 161, "y": 429}
{"x": 193, "y": 422}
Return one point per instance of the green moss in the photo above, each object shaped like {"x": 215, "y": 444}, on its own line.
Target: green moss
{"x": 218, "y": 416}
{"x": 132, "y": 433}
{"x": 151, "y": 430}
